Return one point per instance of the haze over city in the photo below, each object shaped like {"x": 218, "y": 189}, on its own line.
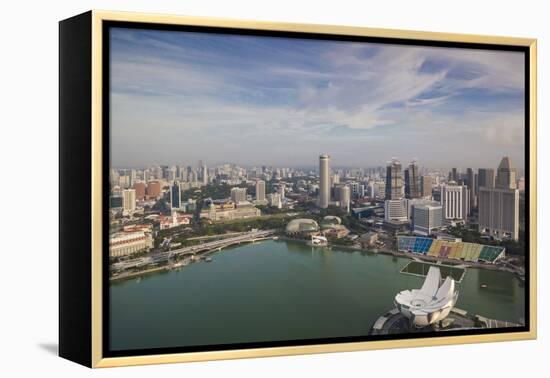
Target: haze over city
{"x": 180, "y": 97}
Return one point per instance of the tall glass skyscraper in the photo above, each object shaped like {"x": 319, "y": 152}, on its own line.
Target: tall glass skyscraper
{"x": 324, "y": 181}
{"x": 394, "y": 180}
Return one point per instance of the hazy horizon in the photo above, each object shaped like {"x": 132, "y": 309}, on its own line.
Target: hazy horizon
{"x": 184, "y": 97}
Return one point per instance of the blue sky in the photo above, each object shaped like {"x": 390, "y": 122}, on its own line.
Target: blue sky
{"x": 180, "y": 97}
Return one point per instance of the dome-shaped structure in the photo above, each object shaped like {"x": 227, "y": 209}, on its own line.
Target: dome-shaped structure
{"x": 330, "y": 221}
{"x": 431, "y": 303}
{"x": 302, "y": 226}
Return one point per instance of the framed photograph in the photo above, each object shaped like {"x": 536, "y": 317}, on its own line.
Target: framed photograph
{"x": 235, "y": 189}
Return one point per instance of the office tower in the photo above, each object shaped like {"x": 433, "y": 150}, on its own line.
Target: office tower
{"x": 411, "y": 181}
{"x": 324, "y": 181}
{"x": 204, "y": 174}
{"x": 260, "y": 190}
{"x": 396, "y": 210}
{"x": 139, "y": 187}
{"x": 175, "y": 195}
{"x": 506, "y": 175}
{"x": 281, "y": 190}
{"x": 485, "y": 178}
{"x": 238, "y": 194}
{"x": 453, "y": 175}
{"x": 129, "y": 200}
{"x": 132, "y": 177}
{"x": 343, "y": 194}
{"x": 275, "y": 200}
{"x": 153, "y": 189}
{"x": 471, "y": 185}
{"x": 335, "y": 179}
{"x": 455, "y": 200}
{"x": 426, "y": 217}
{"x": 394, "y": 180}
{"x": 426, "y": 187}
{"x": 499, "y": 206}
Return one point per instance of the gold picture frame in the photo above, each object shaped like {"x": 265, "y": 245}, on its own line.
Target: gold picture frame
{"x": 90, "y": 331}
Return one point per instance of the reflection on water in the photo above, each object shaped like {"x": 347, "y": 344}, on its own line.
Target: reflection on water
{"x": 277, "y": 290}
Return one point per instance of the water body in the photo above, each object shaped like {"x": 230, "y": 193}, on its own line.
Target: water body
{"x": 279, "y": 290}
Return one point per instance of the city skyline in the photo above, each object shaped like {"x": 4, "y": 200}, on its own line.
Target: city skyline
{"x": 176, "y": 95}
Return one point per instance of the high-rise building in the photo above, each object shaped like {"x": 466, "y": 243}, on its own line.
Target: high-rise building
{"x": 343, "y": 194}
{"x": 238, "y": 194}
{"x": 129, "y": 200}
{"x": 324, "y": 181}
{"x": 139, "y": 187}
{"x": 485, "y": 178}
{"x": 204, "y": 175}
{"x": 506, "y": 175}
{"x": 426, "y": 187}
{"x": 499, "y": 206}
{"x": 260, "y": 190}
{"x": 426, "y": 217}
{"x": 396, "y": 210}
{"x": 175, "y": 195}
{"x": 411, "y": 181}
{"x": 453, "y": 175}
{"x": 275, "y": 200}
{"x": 471, "y": 185}
{"x": 153, "y": 189}
{"x": 394, "y": 180}
{"x": 455, "y": 200}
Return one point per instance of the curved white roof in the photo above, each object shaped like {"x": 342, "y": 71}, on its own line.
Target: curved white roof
{"x": 432, "y": 303}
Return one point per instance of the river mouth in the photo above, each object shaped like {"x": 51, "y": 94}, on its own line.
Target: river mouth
{"x": 279, "y": 291}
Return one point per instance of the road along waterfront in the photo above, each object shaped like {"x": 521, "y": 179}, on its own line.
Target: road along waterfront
{"x": 282, "y": 290}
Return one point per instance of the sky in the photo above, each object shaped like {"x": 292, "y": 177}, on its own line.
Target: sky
{"x": 179, "y": 97}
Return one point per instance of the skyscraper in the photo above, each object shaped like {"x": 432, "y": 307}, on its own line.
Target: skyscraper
{"x": 129, "y": 200}
{"x": 394, "y": 180}
{"x": 485, "y": 178}
{"x": 238, "y": 194}
{"x": 499, "y": 205}
{"x": 343, "y": 193}
{"x": 175, "y": 195}
{"x": 426, "y": 217}
{"x": 411, "y": 181}
{"x": 139, "y": 187}
{"x": 506, "y": 175}
{"x": 260, "y": 190}
{"x": 455, "y": 200}
{"x": 470, "y": 183}
{"x": 324, "y": 181}
{"x": 426, "y": 187}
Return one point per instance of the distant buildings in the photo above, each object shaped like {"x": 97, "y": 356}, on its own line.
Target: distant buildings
{"x": 274, "y": 200}
{"x": 394, "y": 180}
{"x": 499, "y": 205}
{"x": 412, "y": 189}
{"x": 153, "y": 189}
{"x": 140, "y": 188}
{"x": 175, "y": 195}
{"x": 260, "y": 191}
{"x": 129, "y": 200}
{"x": 455, "y": 200}
{"x": 426, "y": 187}
{"x": 238, "y": 195}
{"x": 324, "y": 181}
{"x": 343, "y": 195}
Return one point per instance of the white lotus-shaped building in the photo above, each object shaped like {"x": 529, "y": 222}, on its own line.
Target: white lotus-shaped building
{"x": 431, "y": 303}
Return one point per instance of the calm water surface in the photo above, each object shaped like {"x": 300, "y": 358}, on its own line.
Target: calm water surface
{"x": 278, "y": 290}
